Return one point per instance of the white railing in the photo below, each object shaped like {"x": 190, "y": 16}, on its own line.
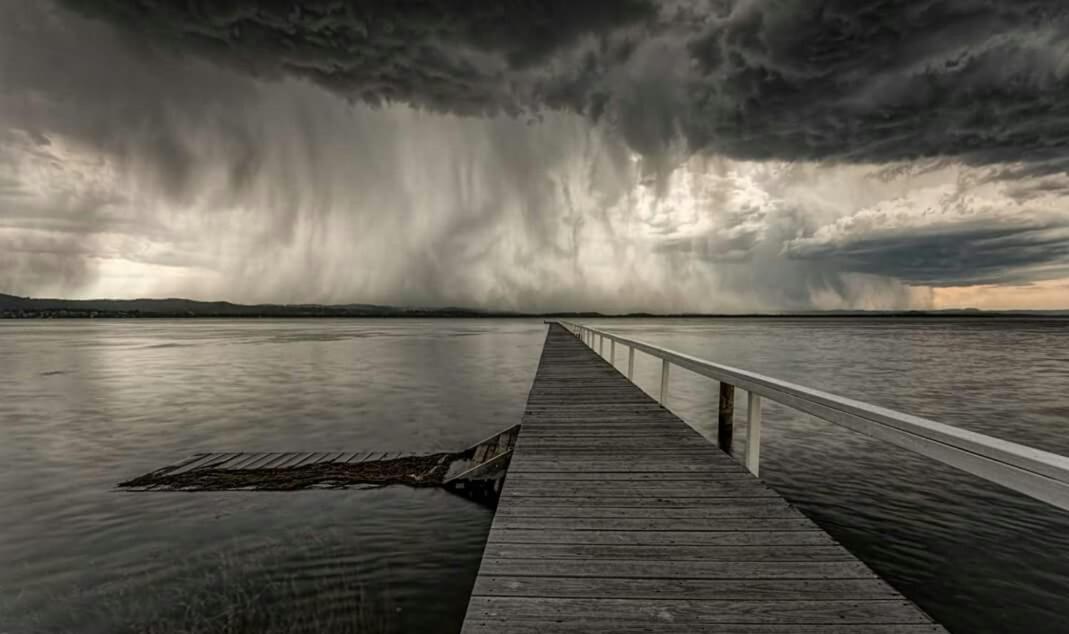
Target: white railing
{"x": 1039, "y": 474}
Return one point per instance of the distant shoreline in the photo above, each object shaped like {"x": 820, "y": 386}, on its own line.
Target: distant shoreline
{"x": 12, "y": 307}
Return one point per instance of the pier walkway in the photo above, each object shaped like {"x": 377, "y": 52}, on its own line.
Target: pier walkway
{"x": 618, "y": 517}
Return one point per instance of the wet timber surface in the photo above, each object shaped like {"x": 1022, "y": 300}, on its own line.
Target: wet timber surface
{"x": 617, "y": 517}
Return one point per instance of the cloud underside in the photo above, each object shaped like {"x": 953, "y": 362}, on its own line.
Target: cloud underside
{"x": 672, "y": 156}
{"x": 964, "y": 255}
{"x": 850, "y": 80}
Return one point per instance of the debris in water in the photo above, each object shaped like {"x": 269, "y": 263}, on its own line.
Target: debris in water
{"x": 476, "y": 473}
{"x": 411, "y": 470}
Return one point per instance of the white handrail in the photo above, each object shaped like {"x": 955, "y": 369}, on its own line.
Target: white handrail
{"x": 1034, "y": 472}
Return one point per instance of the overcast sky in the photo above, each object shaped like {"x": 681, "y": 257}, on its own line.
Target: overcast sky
{"x": 672, "y": 156}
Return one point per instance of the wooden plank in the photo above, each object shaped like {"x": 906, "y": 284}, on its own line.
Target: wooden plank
{"x": 293, "y": 459}
{"x": 617, "y": 517}
{"x": 329, "y": 457}
{"x": 665, "y": 552}
{"x": 557, "y": 431}
{"x": 263, "y": 460}
{"x": 189, "y": 465}
{"x": 754, "y": 524}
{"x": 212, "y": 462}
{"x": 614, "y": 445}
{"x": 504, "y": 625}
{"x": 639, "y": 489}
{"x": 751, "y": 508}
{"x": 360, "y": 456}
{"x": 661, "y": 538}
{"x": 648, "y": 417}
{"x": 552, "y": 478}
{"x": 725, "y": 590}
{"x": 663, "y": 447}
{"x": 351, "y": 456}
{"x": 231, "y": 461}
{"x": 524, "y": 463}
{"x": 307, "y": 459}
{"x": 653, "y": 569}
{"x": 282, "y": 460}
{"x": 536, "y": 437}
{"x": 704, "y": 612}
{"x": 197, "y": 457}
{"x": 244, "y": 461}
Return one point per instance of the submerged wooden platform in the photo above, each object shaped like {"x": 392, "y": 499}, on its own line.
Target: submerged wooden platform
{"x": 617, "y": 517}
{"x": 476, "y": 472}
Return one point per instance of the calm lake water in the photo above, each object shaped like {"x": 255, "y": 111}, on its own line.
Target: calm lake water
{"x": 85, "y": 404}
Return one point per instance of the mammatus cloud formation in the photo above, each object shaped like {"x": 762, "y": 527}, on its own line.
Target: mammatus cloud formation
{"x": 750, "y": 155}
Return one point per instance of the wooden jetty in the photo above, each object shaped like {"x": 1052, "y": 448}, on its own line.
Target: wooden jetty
{"x": 616, "y": 516}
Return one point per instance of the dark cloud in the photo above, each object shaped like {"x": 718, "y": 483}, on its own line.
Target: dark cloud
{"x": 454, "y": 56}
{"x": 885, "y": 80}
{"x": 849, "y": 80}
{"x": 963, "y": 254}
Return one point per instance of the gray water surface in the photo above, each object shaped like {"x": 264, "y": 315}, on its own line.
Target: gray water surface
{"x": 85, "y": 404}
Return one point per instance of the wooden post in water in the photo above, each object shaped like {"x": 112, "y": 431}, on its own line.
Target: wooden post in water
{"x": 725, "y": 421}
{"x": 664, "y": 381}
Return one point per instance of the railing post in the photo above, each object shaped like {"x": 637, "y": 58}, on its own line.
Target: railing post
{"x": 725, "y": 420}
{"x": 753, "y": 432}
{"x": 612, "y": 352}
{"x": 631, "y": 362}
{"x": 664, "y": 382}
{"x": 601, "y": 345}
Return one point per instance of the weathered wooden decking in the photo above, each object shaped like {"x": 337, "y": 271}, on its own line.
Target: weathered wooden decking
{"x": 618, "y": 517}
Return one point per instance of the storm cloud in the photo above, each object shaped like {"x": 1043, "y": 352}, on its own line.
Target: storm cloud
{"x": 848, "y": 80}
{"x": 669, "y": 156}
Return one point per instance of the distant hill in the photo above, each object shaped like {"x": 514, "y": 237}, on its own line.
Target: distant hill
{"x": 13, "y": 307}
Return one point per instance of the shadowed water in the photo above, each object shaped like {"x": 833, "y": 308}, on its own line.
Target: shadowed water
{"x": 84, "y": 404}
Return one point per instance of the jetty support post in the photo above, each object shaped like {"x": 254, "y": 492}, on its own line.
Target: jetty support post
{"x": 725, "y": 421}
{"x": 664, "y": 381}
{"x": 753, "y": 432}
